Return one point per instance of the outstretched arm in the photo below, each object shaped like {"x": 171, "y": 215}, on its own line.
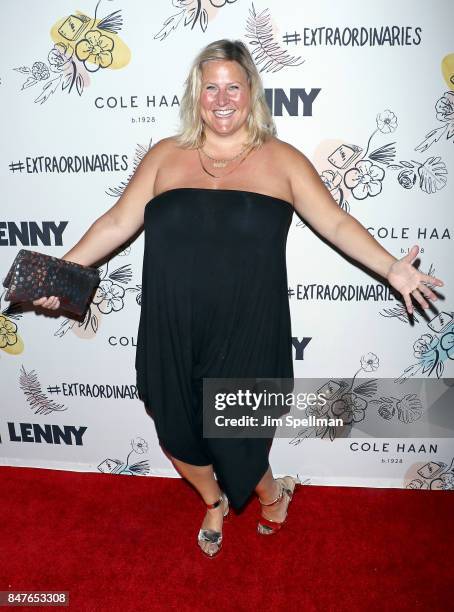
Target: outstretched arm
{"x": 315, "y": 203}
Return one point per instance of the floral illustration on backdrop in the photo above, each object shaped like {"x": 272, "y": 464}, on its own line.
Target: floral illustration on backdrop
{"x": 366, "y": 178}
{"x": 191, "y": 13}
{"x": 139, "y": 446}
{"x": 109, "y": 298}
{"x": 433, "y": 349}
{"x": 82, "y": 45}
{"x": 350, "y": 402}
{"x": 433, "y": 475}
{"x": 10, "y": 340}
{"x": 447, "y": 70}
{"x": 361, "y": 174}
{"x": 9, "y": 337}
{"x": 444, "y": 112}
{"x": 406, "y": 409}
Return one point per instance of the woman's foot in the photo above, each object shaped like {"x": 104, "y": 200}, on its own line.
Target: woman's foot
{"x": 210, "y": 534}
{"x": 277, "y": 512}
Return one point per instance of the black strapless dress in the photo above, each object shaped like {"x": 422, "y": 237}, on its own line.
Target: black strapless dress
{"x": 214, "y": 304}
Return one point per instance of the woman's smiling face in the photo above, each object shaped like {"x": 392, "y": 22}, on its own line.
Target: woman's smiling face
{"x": 225, "y": 96}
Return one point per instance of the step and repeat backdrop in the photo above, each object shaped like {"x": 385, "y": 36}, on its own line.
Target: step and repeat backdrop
{"x": 366, "y": 91}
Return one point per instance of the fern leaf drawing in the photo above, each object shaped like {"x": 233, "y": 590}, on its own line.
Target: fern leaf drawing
{"x": 266, "y": 52}
{"x": 30, "y": 385}
{"x": 140, "y": 153}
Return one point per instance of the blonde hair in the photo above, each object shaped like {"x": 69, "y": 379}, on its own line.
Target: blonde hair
{"x": 260, "y": 124}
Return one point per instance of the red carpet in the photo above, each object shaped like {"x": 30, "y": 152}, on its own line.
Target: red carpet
{"x": 126, "y": 543}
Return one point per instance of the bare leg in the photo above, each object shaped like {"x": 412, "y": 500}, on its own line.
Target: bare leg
{"x": 202, "y": 479}
{"x": 267, "y": 490}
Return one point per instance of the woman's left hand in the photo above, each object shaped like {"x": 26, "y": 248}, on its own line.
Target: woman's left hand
{"x": 404, "y": 277}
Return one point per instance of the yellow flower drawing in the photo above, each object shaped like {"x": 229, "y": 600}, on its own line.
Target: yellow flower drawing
{"x": 81, "y": 46}
{"x": 10, "y": 340}
{"x": 95, "y": 50}
{"x": 96, "y": 42}
{"x": 447, "y": 69}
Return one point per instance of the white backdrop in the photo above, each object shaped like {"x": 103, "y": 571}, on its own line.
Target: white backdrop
{"x": 365, "y": 90}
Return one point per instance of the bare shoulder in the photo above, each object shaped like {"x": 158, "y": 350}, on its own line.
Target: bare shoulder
{"x": 289, "y": 153}
{"x": 154, "y": 159}
{"x": 164, "y": 150}
{"x": 168, "y": 143}
{"x": 312, "y": 199}
{"x": 291, "y": 161}
{"x": 160, "y": 149}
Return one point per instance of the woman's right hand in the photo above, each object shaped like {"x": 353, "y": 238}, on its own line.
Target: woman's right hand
{"x": 51, "y": 302}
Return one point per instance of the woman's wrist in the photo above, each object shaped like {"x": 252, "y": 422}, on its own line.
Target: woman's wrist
{"x": 387, "y": 265}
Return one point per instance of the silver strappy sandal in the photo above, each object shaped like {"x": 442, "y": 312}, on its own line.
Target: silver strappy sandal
{"x": 211, "y": 535}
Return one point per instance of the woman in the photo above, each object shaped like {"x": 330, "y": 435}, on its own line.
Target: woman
{"x": 216, "y": 201}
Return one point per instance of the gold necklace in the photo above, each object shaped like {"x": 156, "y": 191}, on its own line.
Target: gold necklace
{"x": 227, "y": 173}
{"x": 222, "y": 163}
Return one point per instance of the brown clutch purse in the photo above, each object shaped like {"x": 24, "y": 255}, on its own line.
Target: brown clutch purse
{"x": 33, "y": 275}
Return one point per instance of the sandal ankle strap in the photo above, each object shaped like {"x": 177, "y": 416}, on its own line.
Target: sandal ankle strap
{"x": 278, "y": 498}
{"x": 216, "y": 503}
